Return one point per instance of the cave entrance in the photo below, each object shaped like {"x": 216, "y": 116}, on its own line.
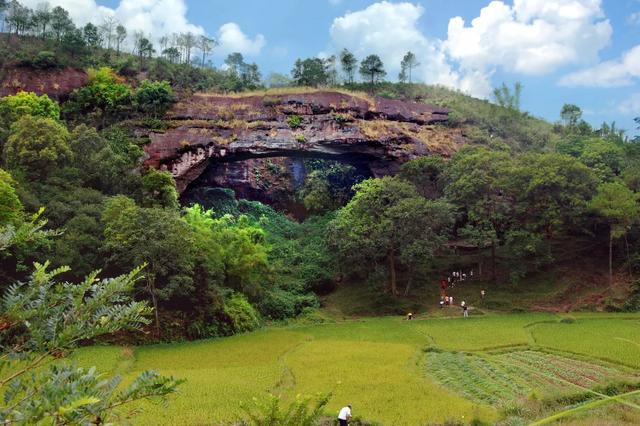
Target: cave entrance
{"x": 281, "y": 181}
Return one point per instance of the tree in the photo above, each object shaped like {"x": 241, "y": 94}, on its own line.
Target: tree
{"x": 278, "y": 80}
{"x": 425, "y": 173}
{"x": 121, "y": 35}
{"x": 206, "y": 45}
{"x": 309, "y": 72}
{"x": 372, "y": 68}
{"x": 388, "y": 221}
{"x": 235, "y": 63}
{"x": 106, "y": 92}
{"x": 172, "y": 54}
{"x": 144, "y": 49}
{"x": 17, "y": 17}
{"x": 409, "y": 61}
{"x": 331, "y": 71}
{"x": 91, "y": 35}
{"x": 108, "y": 30}
{"x": 570, "y": 114}
{"x": 44, "y": 319}
{"x": 37, "y": 146}
{"x": 506, "y": 98}
{"x": 618, "y": 206}
{"x": 61, "y": 23}
{"x": 476, "y": 183}
{"x": 42, "y": 18}
{"x": 154, "y": 97}
{"x": 348, "y": 62}
{"x": 188, "y": 41}
{"x": 25, "y": 103}
{"x": 11, "y": 210}
{"x": 156, "y": 236}
{"x": 159, "y": 189}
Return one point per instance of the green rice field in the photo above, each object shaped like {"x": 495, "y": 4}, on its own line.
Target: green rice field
{"x": 495, "y": 369}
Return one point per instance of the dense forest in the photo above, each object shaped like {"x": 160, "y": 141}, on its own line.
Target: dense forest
{"x": 521, "y": 195}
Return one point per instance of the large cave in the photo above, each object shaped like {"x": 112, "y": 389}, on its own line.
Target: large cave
{"x": 260, "y": 146}
{"x": 272, "y": 180}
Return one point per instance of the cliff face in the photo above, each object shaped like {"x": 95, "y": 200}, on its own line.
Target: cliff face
{"x": 57, "y": 84}
{"x": 229, "y": 140}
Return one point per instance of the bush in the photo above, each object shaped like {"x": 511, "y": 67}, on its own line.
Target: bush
{"x": 302, "y": 412}
{"x": 633, "y": 302}
{"x": 241, "y": 315}
{"x": 294, "y": 121}
{"x": 279, "y": 304}
{"x": 154, "y": 97}
{"x": 46, "y": 60}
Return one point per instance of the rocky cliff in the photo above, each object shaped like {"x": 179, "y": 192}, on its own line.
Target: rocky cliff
{"x": 56, "y": 83}
{"x": 232, "y": 141}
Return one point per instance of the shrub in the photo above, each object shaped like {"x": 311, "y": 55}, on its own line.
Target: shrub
{"x": 301, "y": 138}
{"x": 46, "y": 60}
{"x": 27, "y": 103}
{"x": 154, "y": 97}
{"x": 294, "y": 121}
{"x": 241, "y": 314}
{"x": 302, "y": 412}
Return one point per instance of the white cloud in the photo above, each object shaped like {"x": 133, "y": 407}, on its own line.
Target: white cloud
{"x": 156, "y": 18}
{"x": 390, "y": 30}
{"x": 617, "y": 73}
{"x": 232, "y": 39}
{"x": 631, "y": 105}
{"x": 153, "y": 17}
{"x": 533, "y": 37}
{"x": 634, "y": 19}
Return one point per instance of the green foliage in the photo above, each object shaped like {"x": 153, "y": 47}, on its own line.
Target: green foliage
{"x": 603, "y": 157}
{"x": 154, "y": 97}
{"x": 159, "y": 189}
{"x": 425, "y": 173}
{"x": 372, "y": 68}
{"x": 409, "y": 61}
{"x": 570, "y": 114}
{"x": 243, "y": 317}
{"x": 310, "y": 72}
{"x": 349, "y": 64}
{"x": 44, "y": 318}
{"x": 37, "y": 146}
{"x": 106, "y": 95}
{"x": 507, "y": 98}
{"x": 387, "y": 221}
{"x": 618, "y": 205}
{"x": 294, "y": 121}
{"x": 11, "y": 210}
{"x": 301, "y": 138}
{"x": 304, "y": 411}
{"x": 27, "y": 103}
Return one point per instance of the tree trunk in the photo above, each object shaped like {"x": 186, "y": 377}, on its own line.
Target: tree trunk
{"x": 409, "y": 282}
{"x": 610, "y": 257}
{"x": 626, "y": 243}
{"x": 493, "y": 261}
{"x": 152, "y": 291}
{"x": 392, "y": 270}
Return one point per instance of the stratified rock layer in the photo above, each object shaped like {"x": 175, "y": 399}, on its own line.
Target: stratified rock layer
{"x": 324, "y": 124}
{"x": 57, "y": 84}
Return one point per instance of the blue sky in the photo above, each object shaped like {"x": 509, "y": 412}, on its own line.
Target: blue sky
{"x": 577, "y": 51}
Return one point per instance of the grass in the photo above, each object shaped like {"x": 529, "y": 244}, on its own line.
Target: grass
{"x": 393, "y": 371}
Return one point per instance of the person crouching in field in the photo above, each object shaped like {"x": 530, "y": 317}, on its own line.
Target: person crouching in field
{"x": 344, "y": 415}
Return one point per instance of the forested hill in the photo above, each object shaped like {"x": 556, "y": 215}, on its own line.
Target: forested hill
{"x": 284, "y": 215}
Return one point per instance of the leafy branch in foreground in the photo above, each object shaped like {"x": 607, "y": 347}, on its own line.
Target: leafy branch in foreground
{"x": 44, "y": 319}
{"x": 304, "y": 411}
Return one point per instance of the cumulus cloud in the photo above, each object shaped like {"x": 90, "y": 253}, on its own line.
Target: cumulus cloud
{"x": 232, "y": 39}
{"x": 390, "y": 30}
{"x": 631, "y": 105}
{"x": 533, "y": 37}
{"x": 616, "y": 73}
{"x": 155, "y": 18}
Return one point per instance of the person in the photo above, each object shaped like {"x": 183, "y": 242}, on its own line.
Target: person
{"x": 451, "y": 300}
{"x": 482, "y": 293}
{"x": 465, "y": 310}
{"x": 344, "y": 415}
{"x": 441, "y": 302}
{"x": 409, "y": 316}
{"x": 446, "y": 300}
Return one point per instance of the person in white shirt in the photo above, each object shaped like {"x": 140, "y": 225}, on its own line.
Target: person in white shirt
{"x": 345, "y": 415}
